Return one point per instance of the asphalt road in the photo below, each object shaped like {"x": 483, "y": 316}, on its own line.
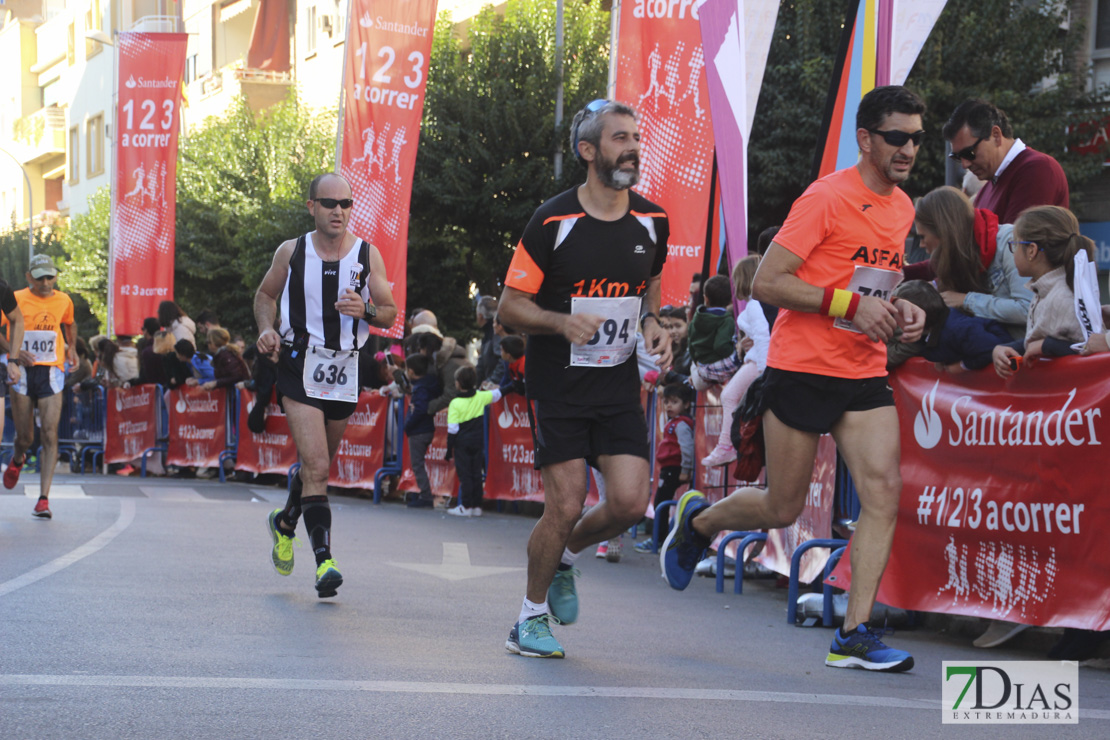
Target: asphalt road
{"x": 149, "y": 609}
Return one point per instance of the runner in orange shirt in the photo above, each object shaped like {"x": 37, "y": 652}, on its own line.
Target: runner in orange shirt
{"x": 832, "y": 268}
{"x": 49, "y": 341}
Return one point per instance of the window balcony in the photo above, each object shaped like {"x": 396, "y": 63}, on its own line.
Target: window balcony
{"x": 41, "y": 135}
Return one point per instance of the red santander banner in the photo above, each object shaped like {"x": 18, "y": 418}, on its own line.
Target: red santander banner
{"x": 1003, "y": 511}
{"x": 273, "y": 450}
{"x": 131, "y": 423}
{"x": 441, "y": 472}
{"x": 198, "y": 426}
{"x": 661, "y": 73}
{"x": 388, "y": 48}
{"x": 511, "y": 473}
{"x": 144, "y": 194}
{"x": 361, "y": 451}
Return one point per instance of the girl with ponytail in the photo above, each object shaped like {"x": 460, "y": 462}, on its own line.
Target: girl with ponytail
{"x": 1044, "y": 244}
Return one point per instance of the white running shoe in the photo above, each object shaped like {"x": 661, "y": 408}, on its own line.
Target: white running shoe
{"x": 459, "y": 510}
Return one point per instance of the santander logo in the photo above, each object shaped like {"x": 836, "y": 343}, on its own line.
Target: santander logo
{"x": 926, "y": 424}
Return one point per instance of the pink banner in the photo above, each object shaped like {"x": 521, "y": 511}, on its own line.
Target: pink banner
{"x": 388, "y": 49}
{"x": 1003, "y": 511}
{"x": 144, "y": 194}
{"x": 198, "y": 426}
{"x": 361, "y": 451}
{"x": 661, "y": 73}
{"x": 273, "y": 450}
{"x": 131, "y": 422}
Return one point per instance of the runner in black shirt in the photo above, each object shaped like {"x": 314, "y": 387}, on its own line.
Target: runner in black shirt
{"x": 586, "y": 275}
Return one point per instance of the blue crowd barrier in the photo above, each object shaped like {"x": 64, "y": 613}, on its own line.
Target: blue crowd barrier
{"x": 231, "y": 431}
{"x": 795, "y": 567}
{"x": 162, "y": 424}
{"x": 393, "y": 466}
{"x": 746, "y": 538}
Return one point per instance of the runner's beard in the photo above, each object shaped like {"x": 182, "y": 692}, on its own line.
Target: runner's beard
{"x": 611, "y": 176}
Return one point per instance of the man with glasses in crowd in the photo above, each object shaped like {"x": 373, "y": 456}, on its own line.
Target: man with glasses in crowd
{"x": 585, "y": 276}
{"x": 332, "y": 288}
{"x": 831, "y": 269}
{"x": 1017, "y": 176}
{"x": 49, "y": 342}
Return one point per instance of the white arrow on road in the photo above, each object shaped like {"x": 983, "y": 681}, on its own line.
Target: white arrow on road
{"x": 455, "y": 566}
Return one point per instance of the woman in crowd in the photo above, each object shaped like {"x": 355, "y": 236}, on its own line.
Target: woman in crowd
{"x": 227, "y": 362}
{"x": 974, "y": 270}
{"x": 174, "y": 319}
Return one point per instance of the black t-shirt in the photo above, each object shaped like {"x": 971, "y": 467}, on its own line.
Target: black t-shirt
{"x": 7, "y": 298}
{"x": 568, "y": 253}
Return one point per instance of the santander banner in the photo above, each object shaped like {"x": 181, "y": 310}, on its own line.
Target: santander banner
{"x": 661, "y": 73}
{"x": 441, "y": 472}
{"x": 512, "y": 473}
{"x": 361, "y": 451}
{"x": 1003, "y": 511}
{"x": 388, "y": 48}
{"x": 131, "y": 422}
{"x": 198, "y": 426}
{"x": 273, "y": 450}
{"x": 144, "y": 190}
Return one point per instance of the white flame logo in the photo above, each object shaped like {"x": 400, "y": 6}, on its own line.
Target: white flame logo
{"x": 130, "y": 82}
{"x": 366, "y": 21}
{"x": 926, "y": 425}
{"x": 181, "y": 407}
{"x": 119, "y": 402}
{"x": 505, "y": 418}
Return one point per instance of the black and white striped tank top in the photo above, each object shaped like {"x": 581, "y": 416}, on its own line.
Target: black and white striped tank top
{"x": 311, "y": 290}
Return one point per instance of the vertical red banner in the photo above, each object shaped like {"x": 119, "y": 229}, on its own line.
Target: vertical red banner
{"x": 148, "y": 114}
{"x": 361, "y": 451}
{"x": 131, "y": 422}
{"x": 198, "y": 426}
{"x": 661, "y": 73}
{"x": 511, "y": 474}
{"x": 388, "y": 50}
{"x": 271, "y": 451}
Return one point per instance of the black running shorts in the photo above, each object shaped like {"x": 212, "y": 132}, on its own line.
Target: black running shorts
{"x": 814, "y": 403}
{"x": 290, "y": 384}
{"x": 567, "y": 431}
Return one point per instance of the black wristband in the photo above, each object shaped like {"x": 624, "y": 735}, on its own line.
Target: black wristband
{"x": 647, "y": 314}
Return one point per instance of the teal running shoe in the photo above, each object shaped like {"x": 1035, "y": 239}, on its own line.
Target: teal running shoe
{"x": 532, "y": 638}
{"x": 863, "y": 648}
{"x": 684, "y": 547}
{"x": 562, "y": 597}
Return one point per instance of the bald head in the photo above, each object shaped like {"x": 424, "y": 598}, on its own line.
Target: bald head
{"x": 425, "y": 318}
{"x": 314, "y": 186}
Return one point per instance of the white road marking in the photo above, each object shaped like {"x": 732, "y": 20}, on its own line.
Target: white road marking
{"x": 455, "y": 566}
{"x": 271, "y": 495}
{"x": 419, "y": 687}
{"x": 169, "y": 493}
{"x": 32, "y": 490}
{"x": 126, "y": 516}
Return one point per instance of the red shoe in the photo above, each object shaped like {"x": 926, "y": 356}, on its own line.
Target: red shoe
{"x": 11, "y": 475}
{"x": 42, "y": 509}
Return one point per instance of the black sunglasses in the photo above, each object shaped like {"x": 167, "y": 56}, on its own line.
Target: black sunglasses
{"x": 331, "y": 203}
{"x": 968, "y": 152}
{"x": 899, "y": 138}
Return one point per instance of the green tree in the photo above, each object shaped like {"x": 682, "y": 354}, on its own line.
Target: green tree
{"x": 86, "y": 244}
{"x": 487, "y": 143}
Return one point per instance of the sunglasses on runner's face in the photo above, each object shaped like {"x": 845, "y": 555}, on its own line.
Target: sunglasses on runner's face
{"x": 968, "y": 152}
{"x": 331, "y": 203}
{"x": 899, "y": 138}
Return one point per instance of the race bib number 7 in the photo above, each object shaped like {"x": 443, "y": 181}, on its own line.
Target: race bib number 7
{"x": 870, "y": 281}
{"x": 615, "y": 341}
{"x": 331, "y": 375}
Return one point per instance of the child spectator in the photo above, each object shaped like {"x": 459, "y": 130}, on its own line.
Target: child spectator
{"x": 675, "y": 453}
{"x": 712, "y": 338}
{"x": 512, "y": 356}
{"x": 179, "y": 363}
{"x": 420, "y": 425}
{"x": 1045, "y": 242}
{"x": 754, "y": 337}
{"x": 952, "y": 339}
{"x": 465, "y": 437}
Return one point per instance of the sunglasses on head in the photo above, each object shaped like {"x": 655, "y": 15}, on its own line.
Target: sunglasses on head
{"x": 588, "y": 111}
{"x": 899, "y": 138}
{"x": 968, "y": 152}
{"x": 330, "y": 203}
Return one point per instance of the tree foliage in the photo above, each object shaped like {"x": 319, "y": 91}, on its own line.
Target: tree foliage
{"x": 487, "y": 143}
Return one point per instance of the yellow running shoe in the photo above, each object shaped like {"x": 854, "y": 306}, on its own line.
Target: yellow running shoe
{"x": 283, "y": 545}
{"x": 328, "y": 579}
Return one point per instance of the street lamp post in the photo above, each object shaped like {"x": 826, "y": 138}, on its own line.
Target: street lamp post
{"x": 30, "y": 207}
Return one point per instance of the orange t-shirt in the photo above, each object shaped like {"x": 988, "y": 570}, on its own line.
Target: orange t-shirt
{"x": 42, "y": 325}
{"x": 850, "y": 237}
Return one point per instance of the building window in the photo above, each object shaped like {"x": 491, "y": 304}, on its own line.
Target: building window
{"x": 74, "y": 155}
{"x": 71, "y": 44}
{"x": 191, "y": 68}
{"x": 310, "y": 31}
{"x": 94, "y": 144}
{"x": 340, "y": 16}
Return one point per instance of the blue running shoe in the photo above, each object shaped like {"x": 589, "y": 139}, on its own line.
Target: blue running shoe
{"x": 863, "y": 649}
{"x": 562, "y": 598}
{"x": 532, "y": 638}
{"x": 684, "y": 547}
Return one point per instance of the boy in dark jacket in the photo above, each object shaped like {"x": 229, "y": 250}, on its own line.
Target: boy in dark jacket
{"x": 675, "y": 453}
{"x": 420, "y": 425}
{"x": 466, "y": 437}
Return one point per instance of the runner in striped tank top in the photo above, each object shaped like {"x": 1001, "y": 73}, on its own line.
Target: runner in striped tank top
{"x": 332, "y": 288}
